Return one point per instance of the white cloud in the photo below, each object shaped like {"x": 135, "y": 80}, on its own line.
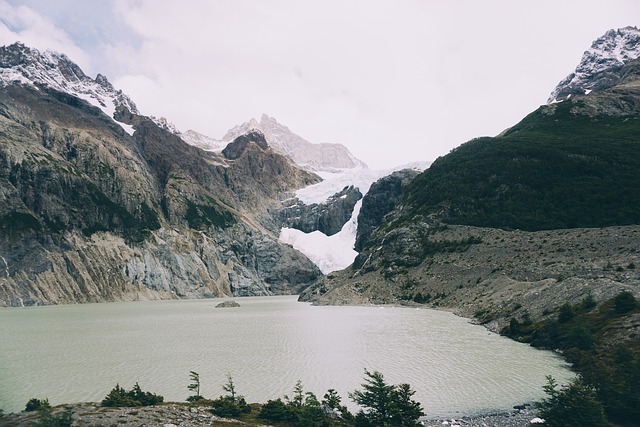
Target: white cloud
{"x": 21, "y": 23}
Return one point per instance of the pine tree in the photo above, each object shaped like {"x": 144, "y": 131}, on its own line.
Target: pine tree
{"x": 194, "y": 386}
{"x": 376, "y": 397}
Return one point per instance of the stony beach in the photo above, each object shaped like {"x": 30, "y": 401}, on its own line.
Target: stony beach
{"x": 516, "y": 418}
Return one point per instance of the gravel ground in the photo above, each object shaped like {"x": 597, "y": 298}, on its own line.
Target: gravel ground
{"x": 517, "y": 418}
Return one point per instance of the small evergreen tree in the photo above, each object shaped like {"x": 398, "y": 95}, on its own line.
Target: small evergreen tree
{"x": 624, "y": 302}
{"x": 566, "y": 313}
{"x": 232, "y": 404}
{"x": 376, "y": 397}
{"x": 332, "y": 399}
{"x": 405, "y": 410}
{"x": 298, "y": 396}
{"x": 118, "y": 396}
{"x": 194, "y": 386}
{"x": 274, "y": 411}
{"x": 573, "y": 406}
{"x": 386, "y": 405}
{"x": 332, "y": 405}
{"x": 37, "y": 405}
{"x": 229, "y": 387}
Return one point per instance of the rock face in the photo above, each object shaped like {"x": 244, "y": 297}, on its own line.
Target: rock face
{"x": 327, "y": 217}
{"x": 381, "y": 199}
{"x": 601, "y": 66}
{"x": 238, "y": 146}
{"x": 92, "y": 211}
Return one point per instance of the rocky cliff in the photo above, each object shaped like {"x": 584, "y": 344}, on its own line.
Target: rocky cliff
{"x": 98, "y": 207}
{"x": 382, "y": 198}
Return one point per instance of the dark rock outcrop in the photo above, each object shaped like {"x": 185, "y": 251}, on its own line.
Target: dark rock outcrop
{"x": 327, "y": 217}
{"x": 238, "y": 146}
{"x": 381, "y": 199}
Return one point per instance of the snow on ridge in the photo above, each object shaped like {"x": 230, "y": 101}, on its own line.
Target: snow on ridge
{"x": 614, "y": 49}
{"x": 311, "y": 156}
{"x": 202, "y": 141}
{"x": 21, "y": 64}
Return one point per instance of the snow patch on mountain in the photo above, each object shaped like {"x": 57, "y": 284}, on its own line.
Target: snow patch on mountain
{"x": 329, "y": 253}
{"x": 332, "y": 253}
{"x": 202, "y": 141}
{"x": 607, "y": 54}
{"x": 28, "y": 66}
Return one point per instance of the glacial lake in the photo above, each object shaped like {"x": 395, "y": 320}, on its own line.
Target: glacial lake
{"x": 77, "y": 353}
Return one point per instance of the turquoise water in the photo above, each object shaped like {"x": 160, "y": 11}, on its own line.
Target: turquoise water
{"x": 77, "y": 353}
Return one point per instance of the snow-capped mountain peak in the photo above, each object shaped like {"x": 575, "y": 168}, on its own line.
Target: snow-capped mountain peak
{"x": 323, "y": 157}
{"x": 597, "y": 68}
{"x": 25, "y": 65}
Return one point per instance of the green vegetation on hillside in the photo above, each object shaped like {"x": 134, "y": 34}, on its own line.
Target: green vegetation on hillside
{"x": 553, "y": 170}
{"x": 610, "y": 367}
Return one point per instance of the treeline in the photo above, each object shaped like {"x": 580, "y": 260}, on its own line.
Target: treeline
{"x": 382, "y": 404}
{"x": 607, "y": 389}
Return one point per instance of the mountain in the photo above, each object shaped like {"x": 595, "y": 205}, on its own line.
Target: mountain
{"x": 20, "y": 64}
{"x": 101, "y": 203}
{"x": 322, "y": 157}
{"x": 515, "y": 226}
{"x": 601, "y": 65}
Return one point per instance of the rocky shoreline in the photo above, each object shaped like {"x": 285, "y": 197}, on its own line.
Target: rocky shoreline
{"x": 515, "y": 418}
{"x": 184, "y": 415}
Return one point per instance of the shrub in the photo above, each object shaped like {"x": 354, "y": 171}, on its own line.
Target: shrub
{"x": 37, "y": 405}
{"x": 232, "y": 404}
{"x": 225, "y": 406}
{"x": 118, "y": 396}
{"x": 624, "y": 302}
{"x": 48, "y": 419}
{"x": 194, "y": 386}
{"x": 566, "y": 313}
{"x": 274, "y": 411}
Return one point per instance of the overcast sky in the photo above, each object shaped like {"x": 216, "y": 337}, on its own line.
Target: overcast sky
{"x": 395, "y": 81}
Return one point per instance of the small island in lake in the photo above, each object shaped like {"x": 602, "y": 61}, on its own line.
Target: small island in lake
{"x": 228, "y": 303}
